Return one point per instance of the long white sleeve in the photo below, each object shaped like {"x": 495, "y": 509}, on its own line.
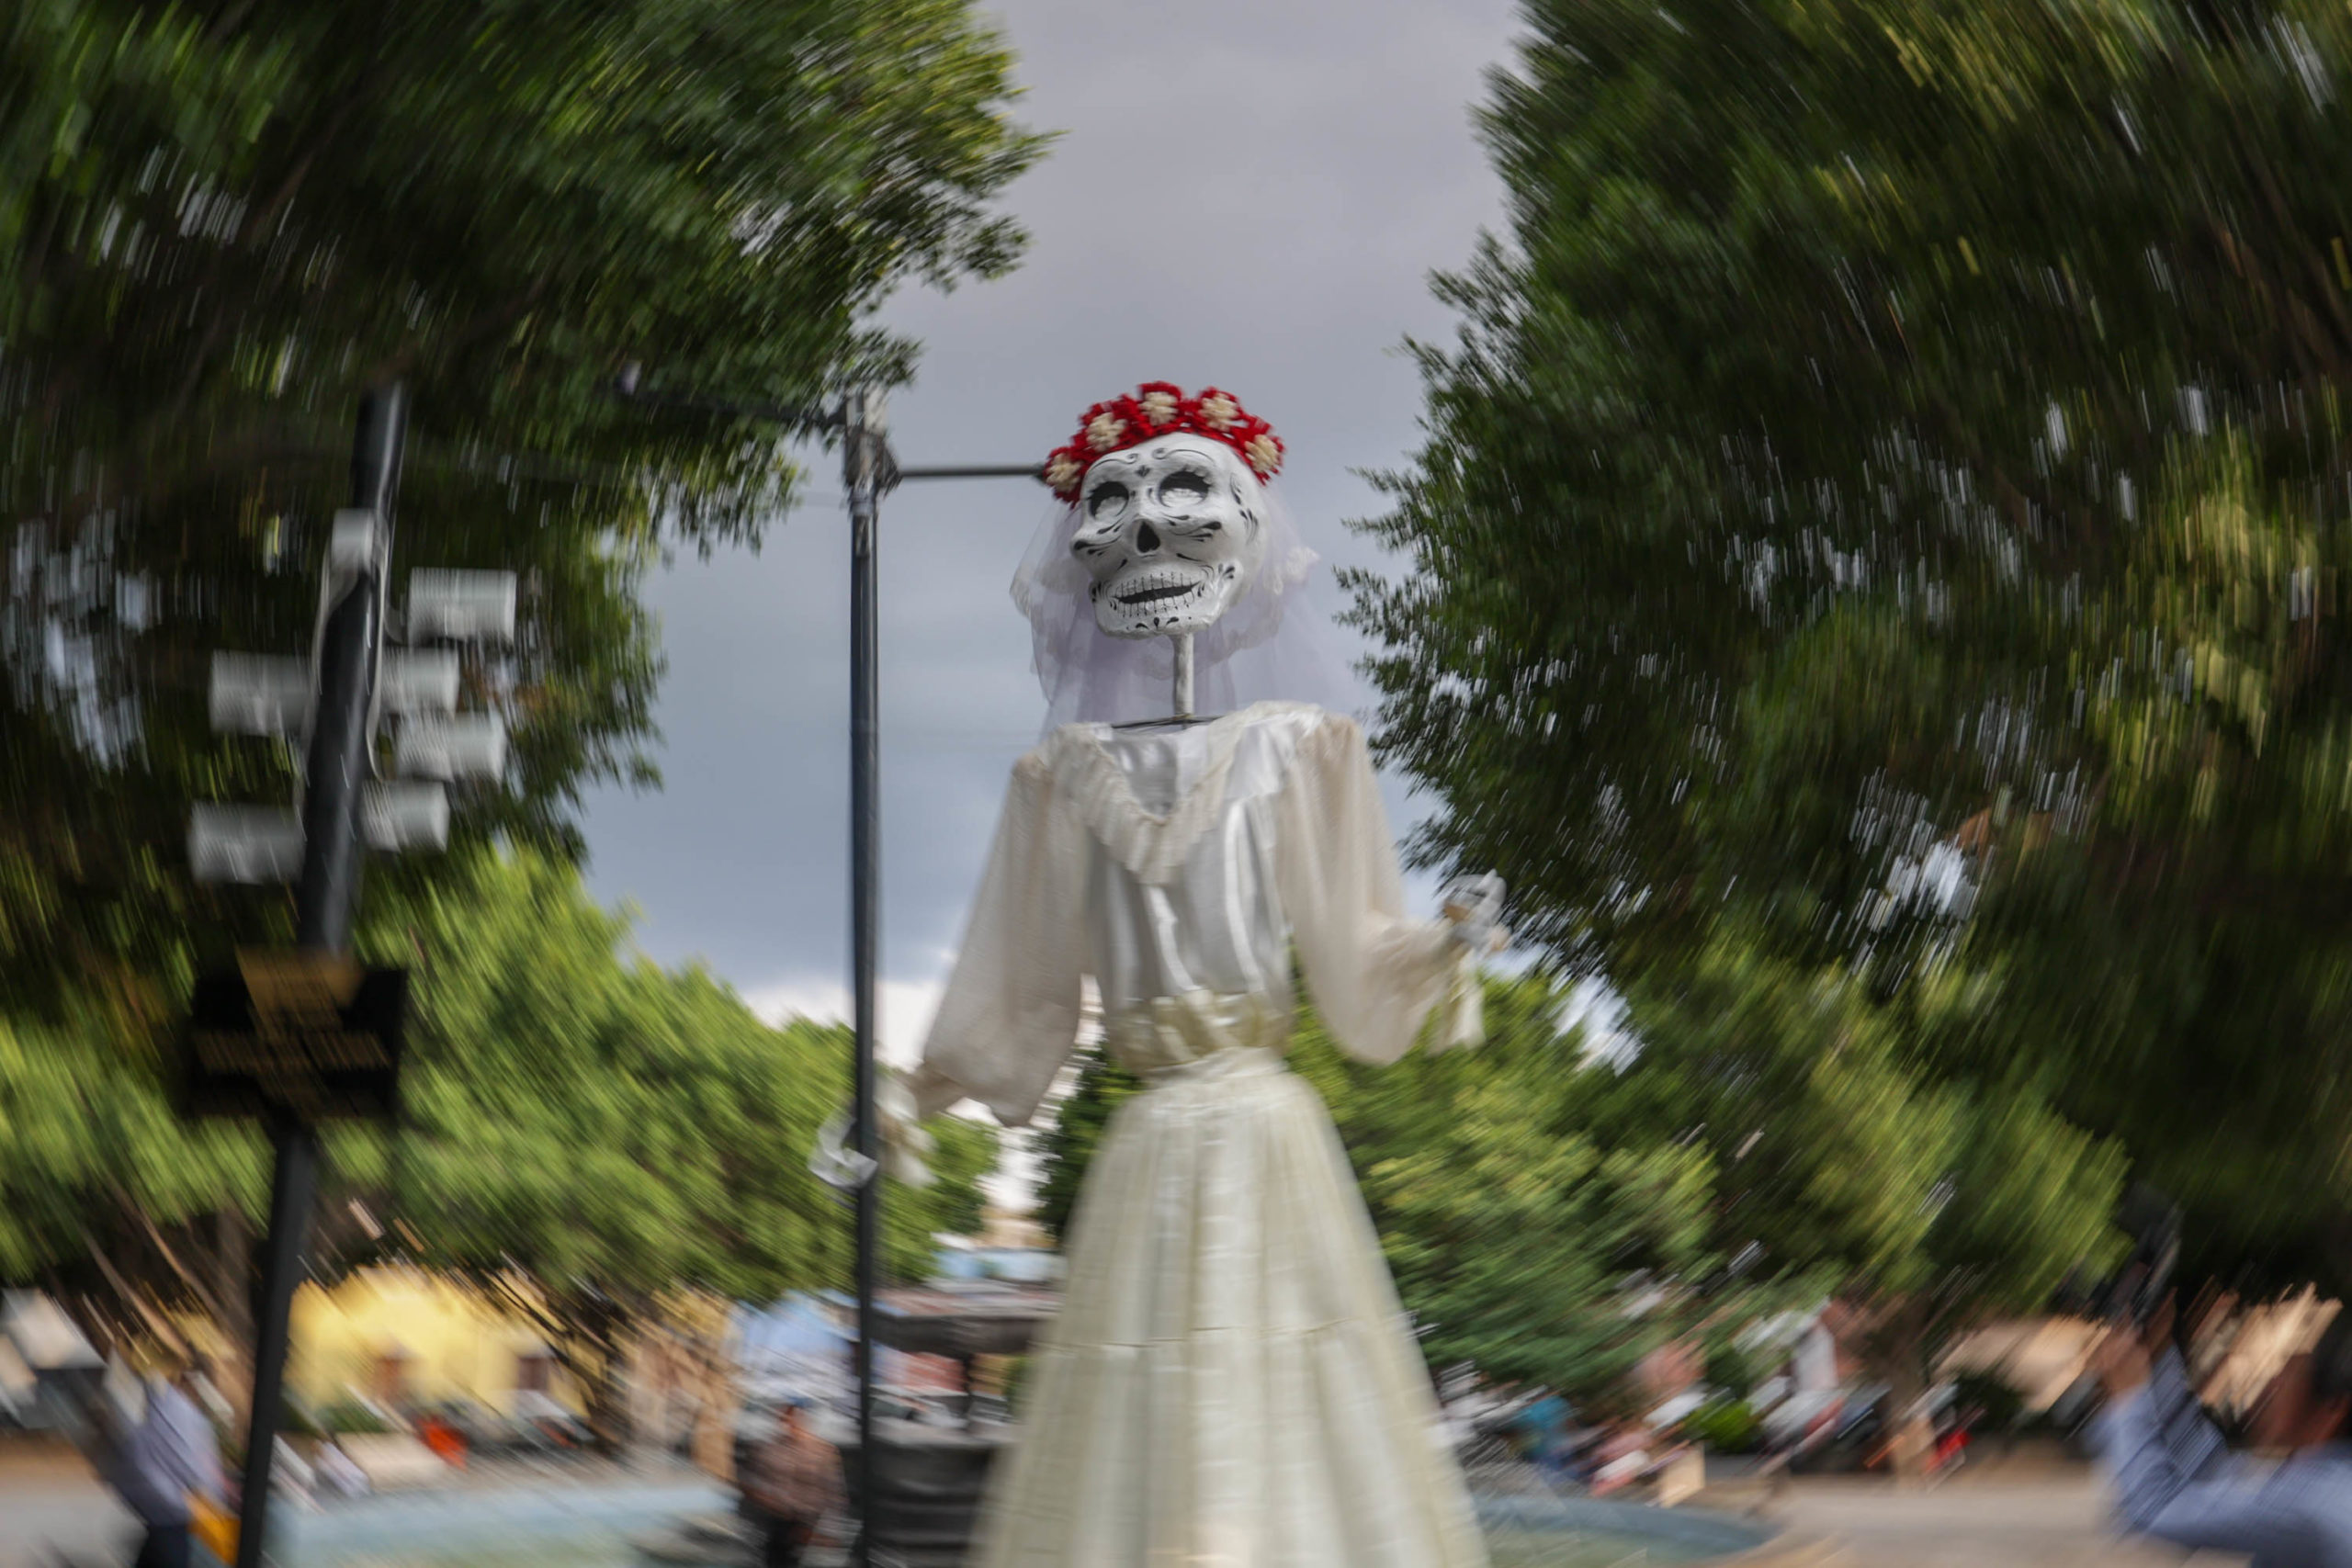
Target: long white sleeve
{"x": 1010, "y": 1015}
{"x": 1373, "y": 974}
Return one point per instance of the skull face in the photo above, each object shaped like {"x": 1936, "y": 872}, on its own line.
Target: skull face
{"x": 1171, "y": 532}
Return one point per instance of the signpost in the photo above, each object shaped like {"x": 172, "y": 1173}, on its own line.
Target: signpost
{"x": 299, "y": 1037}
{"x": 309, "y": 1034}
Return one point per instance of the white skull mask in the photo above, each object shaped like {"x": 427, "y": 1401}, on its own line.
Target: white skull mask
{"x": 1171, "y": 532}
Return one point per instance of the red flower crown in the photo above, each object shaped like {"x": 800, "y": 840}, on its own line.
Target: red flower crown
{"x": 1161, "y": 407}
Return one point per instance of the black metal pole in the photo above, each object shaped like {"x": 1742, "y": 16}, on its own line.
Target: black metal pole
{"x": 293, "y": 1183}
{"x": 977, "y": 471}
{"x": 337, "y": 769}
{"x": 862, "y": 435}
{"x": 868, "y": 469}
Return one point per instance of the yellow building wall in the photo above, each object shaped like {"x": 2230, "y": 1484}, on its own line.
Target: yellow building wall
{"x": 455, "y": 1345}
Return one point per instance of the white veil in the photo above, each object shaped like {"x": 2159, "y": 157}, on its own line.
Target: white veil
{"x": 1271, "y": 643}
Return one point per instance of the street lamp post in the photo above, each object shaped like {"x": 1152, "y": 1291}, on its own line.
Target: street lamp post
{"x": 864, "y": 462}
{"x": 869, "y": 471}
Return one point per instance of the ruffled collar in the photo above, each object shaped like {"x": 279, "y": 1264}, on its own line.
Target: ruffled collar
{"x": 1151, "y": 846}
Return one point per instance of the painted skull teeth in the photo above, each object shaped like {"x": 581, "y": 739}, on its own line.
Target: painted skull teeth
{"x": 1158, "y": 587}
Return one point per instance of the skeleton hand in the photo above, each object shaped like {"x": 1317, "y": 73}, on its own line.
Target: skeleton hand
{"x": 904, "y": 1143}
{"x": 1474, "y": 905}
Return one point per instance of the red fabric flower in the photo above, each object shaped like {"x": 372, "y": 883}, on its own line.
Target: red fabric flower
{"x": 1161, "y": 407}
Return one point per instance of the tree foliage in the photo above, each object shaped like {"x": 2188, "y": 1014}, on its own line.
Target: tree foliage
{"x": 1068, "y": 1145}
{"x": 1848, "y": 1160}
{"x": 220, "y": 220}
{"x": 1886, "y": 505}
{"x": 1517, "y": 1239}
{"x": 588, "y": 1133}
{"x": 1551, "y": 1219}
{"x": 584, "y": 1134}
{"x": 585, "y": 1119}
{"x": 94, "y": 1160}
{"x": 1521, "y": 1242}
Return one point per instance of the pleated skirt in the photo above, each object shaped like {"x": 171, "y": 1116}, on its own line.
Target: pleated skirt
{"x": 1231, "y": 1382}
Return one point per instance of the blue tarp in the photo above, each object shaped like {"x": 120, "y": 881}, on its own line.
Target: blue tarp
{"x": 796, "y": 1328}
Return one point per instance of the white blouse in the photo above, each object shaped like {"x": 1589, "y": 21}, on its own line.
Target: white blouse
{"x": 1177, "y": 866}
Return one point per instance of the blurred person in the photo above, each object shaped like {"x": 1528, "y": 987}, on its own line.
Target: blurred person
{"x": 336, "y": 1469}
{"x": 795, "y": 1484}
{"x": 436, "y": 1432}
{"x": 166, "y": 1465}
{"x": 2176, "y": 1480}
{"x": 1812, "y": 1365}
{"x": 1541, "y": 1434}
{"x": 1954, "y": 1425}
{"x": 293, "y": 1479}
{"x": 1624, "y": 1458}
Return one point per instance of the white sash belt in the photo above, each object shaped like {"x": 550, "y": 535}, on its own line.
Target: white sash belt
{"x": 1199, "y": 1033}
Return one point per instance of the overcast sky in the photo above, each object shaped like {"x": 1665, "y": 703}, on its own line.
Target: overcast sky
{"x": 1245, "y": 194}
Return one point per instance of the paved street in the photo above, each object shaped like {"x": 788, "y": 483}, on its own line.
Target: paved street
{"x": 50, "y": 1508}
{"x": 2048, "y": 1522}
{"x": 52, "y": 1512}
{"x": 48, "y": 1503}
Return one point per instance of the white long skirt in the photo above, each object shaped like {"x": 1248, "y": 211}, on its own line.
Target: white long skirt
{"x": 1231, "y": 1382}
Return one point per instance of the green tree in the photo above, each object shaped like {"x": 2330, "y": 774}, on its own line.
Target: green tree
{"x": 106, "y": 1195}
{"x": 598, "y": 1131}
{"x": 957, "y": 1202}
{"x": 582, "y": 1133}
{"x": 1520, "y": 1242}
{"x": 1855, "y": 1168}
{"x": 1780, "y": 1138}
{"x": 1891, "y": 470}
{"x": 220, "y": 220}
{"x": 1069, "y": 1141}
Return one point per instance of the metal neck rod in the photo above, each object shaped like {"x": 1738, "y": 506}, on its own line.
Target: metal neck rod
{"x": 862, "y": 435}
{"x": 1183, "y": 694}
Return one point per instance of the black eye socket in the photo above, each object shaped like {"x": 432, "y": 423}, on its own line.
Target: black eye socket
{"x": 1106, "y": 499}
{"x": 1184, "y": 487}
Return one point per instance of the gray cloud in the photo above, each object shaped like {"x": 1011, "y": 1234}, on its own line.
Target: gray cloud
{"x": 1245, "y": 195}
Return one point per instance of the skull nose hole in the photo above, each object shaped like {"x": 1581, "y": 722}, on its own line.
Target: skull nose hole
{"x": 1147, "y": 539}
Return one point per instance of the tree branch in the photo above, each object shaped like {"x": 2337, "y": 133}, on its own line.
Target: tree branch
{"x": 157, "y": 1323}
